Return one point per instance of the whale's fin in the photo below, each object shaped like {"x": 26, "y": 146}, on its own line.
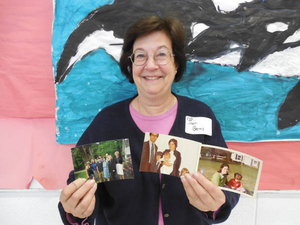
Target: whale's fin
{"x": 289, "y": 112}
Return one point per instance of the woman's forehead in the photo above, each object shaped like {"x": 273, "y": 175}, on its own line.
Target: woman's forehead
{"x": 152, "y": 41}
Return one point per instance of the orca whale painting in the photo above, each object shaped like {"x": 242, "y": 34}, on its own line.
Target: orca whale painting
{"x": 243, "y": 61}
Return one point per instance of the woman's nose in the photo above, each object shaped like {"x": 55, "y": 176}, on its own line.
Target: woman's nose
{"x": 151, "y": 63}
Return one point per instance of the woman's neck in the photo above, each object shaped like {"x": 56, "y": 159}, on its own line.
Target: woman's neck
{"x": 152, "y": 106}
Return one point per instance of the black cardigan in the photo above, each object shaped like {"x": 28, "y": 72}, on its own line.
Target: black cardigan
{"x": 136, "y": 201}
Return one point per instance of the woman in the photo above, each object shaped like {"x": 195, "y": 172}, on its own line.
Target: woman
{"x": 220, "y": 177}
{"x": 112, "y": 168}
{"x": 152, "y": 58}
{"x": 174, "y": 159}
{"x": 119, "y": 165}
{"x": 106, "y": 168}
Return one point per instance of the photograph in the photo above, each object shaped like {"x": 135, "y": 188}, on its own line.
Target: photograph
{"x": 230, "y": 169}
{"x": 169, "y": 155}
{"x": 103, "y": 161}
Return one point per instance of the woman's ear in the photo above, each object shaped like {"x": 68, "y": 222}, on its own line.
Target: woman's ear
{"x": 176, "y": 66}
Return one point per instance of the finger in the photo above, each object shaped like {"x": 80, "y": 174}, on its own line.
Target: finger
{"x": 187, "y": 184}
{"x": 213, "y": 196}
{"x": 200, "y": 197}
{"x": 81, "y": 192}
{"x": 75, "y": 198}
{"x": 91, "y": 208}
{"x": 214, "y": 191}
{"x": 70, "y": 189}
{"x": 86, "y": 205}
{"x": 194, "y": 190}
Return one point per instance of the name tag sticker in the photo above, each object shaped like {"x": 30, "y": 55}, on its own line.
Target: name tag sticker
{"x": 198, "y": 125}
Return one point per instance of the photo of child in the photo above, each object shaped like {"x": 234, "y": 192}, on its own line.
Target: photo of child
{"x": 226, "y": 168}
{"x": 184, "y": 171}
{"x": 156, "y": 167}
{"x": 167, "y": 159}
{"x": 170, "y": 154}
{"x": 235, "y": 183}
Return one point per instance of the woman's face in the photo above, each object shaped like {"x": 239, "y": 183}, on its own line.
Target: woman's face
{"x": 172, "y": 146}
{"x": 224, "y": 170}
{"x": 152, "y": 78}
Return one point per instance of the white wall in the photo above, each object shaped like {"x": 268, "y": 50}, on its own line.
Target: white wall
{"x": 37, "y": 206}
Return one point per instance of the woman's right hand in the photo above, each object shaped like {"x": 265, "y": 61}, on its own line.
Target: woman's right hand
{"x": 78, "y": 198}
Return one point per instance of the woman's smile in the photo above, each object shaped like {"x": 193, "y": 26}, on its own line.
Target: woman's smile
{"x": 152, "y": 77}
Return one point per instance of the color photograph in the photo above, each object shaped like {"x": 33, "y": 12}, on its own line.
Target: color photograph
{"x": 169, "y": 155}
{"x": 230, "y": 170}
{"x": 103, "y": 161}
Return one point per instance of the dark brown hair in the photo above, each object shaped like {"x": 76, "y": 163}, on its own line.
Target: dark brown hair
{"x": 153, "y": 134}
{"x": 238, "y": 176}
{"x": 173, "y": 28}
{"x": 159, "y": 154}
{"x": 222, "y": 166}
{"x": 174, "y": 141}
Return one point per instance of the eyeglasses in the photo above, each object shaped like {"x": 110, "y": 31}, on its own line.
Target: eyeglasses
{"x": 161, "y": 57}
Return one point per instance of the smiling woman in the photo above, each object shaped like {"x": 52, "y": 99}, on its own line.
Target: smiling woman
{"x": 153, "y": 80}
{"x": 152, "y": 58}
{"x": 157, "y": 59}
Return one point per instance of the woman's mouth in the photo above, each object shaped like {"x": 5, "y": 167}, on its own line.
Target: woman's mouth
{"x": 151, "y": 78}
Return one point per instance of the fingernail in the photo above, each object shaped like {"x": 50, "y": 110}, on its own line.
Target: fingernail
{"x": 182, "y": 178}
{"x": 91, "y": 181}
{"x": 188, "y": 176}
{"x": 197, "y": 174}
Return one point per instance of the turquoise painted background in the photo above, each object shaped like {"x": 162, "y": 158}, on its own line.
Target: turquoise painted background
{"x": 246, "y": 104}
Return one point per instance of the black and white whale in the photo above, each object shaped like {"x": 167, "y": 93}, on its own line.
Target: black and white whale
{"x": 245, "y": 38}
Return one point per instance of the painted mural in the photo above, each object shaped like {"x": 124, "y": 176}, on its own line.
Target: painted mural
{"x": 243, "y": 62}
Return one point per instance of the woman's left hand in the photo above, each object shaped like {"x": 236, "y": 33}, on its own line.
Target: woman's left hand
{"x": 202, "y": 193}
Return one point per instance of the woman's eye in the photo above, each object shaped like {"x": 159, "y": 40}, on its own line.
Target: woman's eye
{"x": 161, "y": 54}
{"x": 140, "y": 56}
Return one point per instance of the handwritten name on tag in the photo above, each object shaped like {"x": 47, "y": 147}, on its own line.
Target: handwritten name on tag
{"x": 198, "y": 125}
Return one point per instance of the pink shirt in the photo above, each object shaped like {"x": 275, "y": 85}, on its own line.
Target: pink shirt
{"x": 160, "y": 124}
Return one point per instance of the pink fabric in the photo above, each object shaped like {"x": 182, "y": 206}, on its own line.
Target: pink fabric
{"x": 161, "y": 124}
{"x": 16, "y": 167}
{"x": 28, "y": 149}
{"x": 281, "y": 168}
{"x": 71, "y": 219}
{"x": 160, "y": 214}
{"x": 26, "y": 77}
{"x": 213, "y": 215}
